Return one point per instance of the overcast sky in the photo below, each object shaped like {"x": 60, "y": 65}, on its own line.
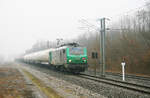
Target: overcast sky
{"x": 23, "y": 22}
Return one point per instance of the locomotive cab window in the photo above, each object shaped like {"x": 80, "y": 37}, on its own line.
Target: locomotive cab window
{"x": 76, "y": 51}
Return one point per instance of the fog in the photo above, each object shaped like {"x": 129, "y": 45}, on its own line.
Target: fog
{"x": 23, "y": 22}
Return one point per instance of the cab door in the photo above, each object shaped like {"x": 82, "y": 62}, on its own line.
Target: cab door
{"x": 50, "y": 57}
{"x": 64, "y": 56}
{"x": 61, "y": 57}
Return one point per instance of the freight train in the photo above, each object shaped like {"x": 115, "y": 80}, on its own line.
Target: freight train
{"x": 68, "y": 57}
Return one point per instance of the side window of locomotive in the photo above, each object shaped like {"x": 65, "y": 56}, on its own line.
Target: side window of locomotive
{"x": 60, "y": 53}
{"x": 64, "y": 51}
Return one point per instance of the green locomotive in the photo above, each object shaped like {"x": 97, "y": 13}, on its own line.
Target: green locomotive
{"x": 68, "y": 57}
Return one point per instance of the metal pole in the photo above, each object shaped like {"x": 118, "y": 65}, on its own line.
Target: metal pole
{"x": 102, "y": 46}
{"x": 101, "y": 61}
{"x": 104, "y": 30}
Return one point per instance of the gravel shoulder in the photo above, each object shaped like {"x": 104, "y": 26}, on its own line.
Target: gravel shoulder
{"x": 15, "y": 82}
{"x": 12, "y": 83}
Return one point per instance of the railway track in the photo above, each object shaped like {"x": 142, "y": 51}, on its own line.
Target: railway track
{"x": 122, "y": 84}
{"x": 129, "y": 76}
{"x": 107, "y": 89}
{"x": 118, "y": 83}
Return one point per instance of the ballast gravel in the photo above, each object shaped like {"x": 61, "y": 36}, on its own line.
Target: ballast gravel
{"x": 94, "y": 88}
{"x": 65, "y": 88}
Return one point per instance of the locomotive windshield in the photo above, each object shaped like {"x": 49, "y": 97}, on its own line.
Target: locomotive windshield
{"x": 76, "y": 51}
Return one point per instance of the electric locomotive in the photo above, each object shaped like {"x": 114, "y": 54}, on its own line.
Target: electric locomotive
{"x": 71, "y": 57}
{"x": 67, "y": 57}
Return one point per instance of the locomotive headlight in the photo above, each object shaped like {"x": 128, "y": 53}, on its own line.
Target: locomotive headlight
{"x": 69, "y": 60}
{"x": 84, "y": 60}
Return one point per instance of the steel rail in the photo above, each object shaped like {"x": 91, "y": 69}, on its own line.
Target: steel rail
{"x": 125, "y": 85}
{"x": 129, "y": 76}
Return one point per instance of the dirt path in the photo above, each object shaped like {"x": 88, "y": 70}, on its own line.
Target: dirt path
{"x": 12, "y": 84}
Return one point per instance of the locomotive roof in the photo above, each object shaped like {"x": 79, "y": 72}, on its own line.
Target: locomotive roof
{"x": 70, "y": 44}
